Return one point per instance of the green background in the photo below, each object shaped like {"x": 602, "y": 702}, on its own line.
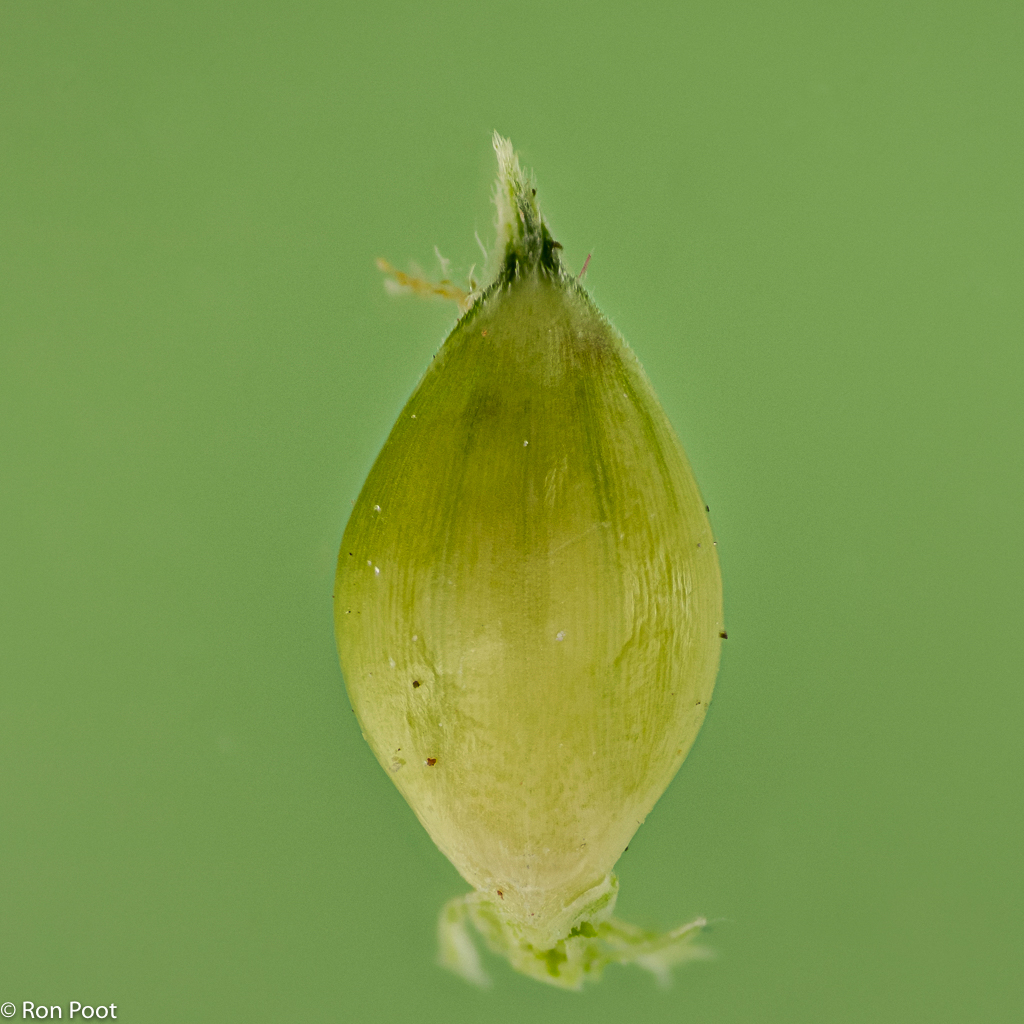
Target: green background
{"x": 807, "y": 220}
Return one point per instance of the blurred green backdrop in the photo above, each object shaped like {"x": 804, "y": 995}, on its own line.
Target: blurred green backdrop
{"x": 807, "y": 220}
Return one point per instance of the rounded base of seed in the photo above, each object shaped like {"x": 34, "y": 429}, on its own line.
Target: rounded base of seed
{"x": 592, "y": 940}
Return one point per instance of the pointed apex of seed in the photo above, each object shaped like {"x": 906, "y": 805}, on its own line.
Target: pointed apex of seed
{"x": 524, "y": 242}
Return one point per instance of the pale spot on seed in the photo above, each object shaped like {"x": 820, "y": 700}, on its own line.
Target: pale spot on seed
{"x": 560, "y": 635}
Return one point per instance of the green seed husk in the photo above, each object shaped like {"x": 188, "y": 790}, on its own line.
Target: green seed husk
{"x": 528, "y": 610}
